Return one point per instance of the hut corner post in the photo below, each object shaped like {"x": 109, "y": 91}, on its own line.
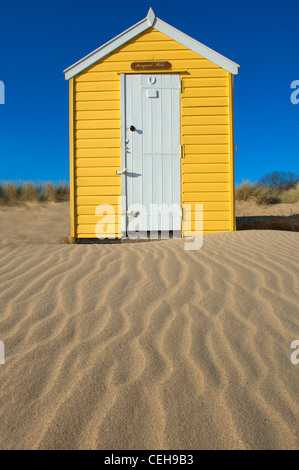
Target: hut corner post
{"x": 72, "y": 156}
{"x": 232, "y": 153}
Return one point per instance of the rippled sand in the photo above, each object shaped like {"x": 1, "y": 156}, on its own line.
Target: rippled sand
{"x": 147, "y": 346}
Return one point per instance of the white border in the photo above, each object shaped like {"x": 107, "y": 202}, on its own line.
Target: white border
{"x": 149, "y": 22}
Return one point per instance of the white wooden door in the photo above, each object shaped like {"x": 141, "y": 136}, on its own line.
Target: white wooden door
{"x": 152, "y": 152}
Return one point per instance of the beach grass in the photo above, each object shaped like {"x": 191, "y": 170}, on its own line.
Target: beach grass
{"x": 13, "y": 194}
{"x": 263, "y": 195}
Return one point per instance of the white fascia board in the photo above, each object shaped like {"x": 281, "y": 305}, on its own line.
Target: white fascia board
{"x": 196, "y": 46}
{"x": 107, "y": 48}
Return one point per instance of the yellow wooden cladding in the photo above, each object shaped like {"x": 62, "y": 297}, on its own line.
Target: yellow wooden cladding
{"x": 97, "y": 96}
{"x": 203, "y": 110}
{"x": 99, "y": 115}
{"x": 207, "y": 187}
{"x": 96, "y": 200}
{"x": 97, "y": 133}
{"x": 170, "y": 55}
{"x": 86, "y": 230}
{"x": 189, "y": 168}
{"x": 98, "y": 86}
{"x": 98, "y": 124}
{"x": 194, "y": 139}
{"x": 97, "y": 143}
{"x": 98, "y": 105}
{"x": 207, "y": 178}
{"x": 97, "y": 181}
{"x": 204, "y": 120}
{"x": 204, "y": 101}
{"x": 86, "y": 210}
{"x": 97, "y": 162}
{"x": 196, "y": 149}
{"x": 207, "y": 83}
{"x": 94, "y": 172}
{"x": 198, "y": 130}
{"x": 86, "y": 154}
{"x": 98, "y": 190}
{"x": 211, "y": 216}
{"x": 208, "y": 92}
{"x": 144, "y": 46}
{"x": 94, "y": 219}
{"x": 199, "y": 197}
{"x": 183, "y": 65}
{"x": 206, "y": 133}
{"x": 91, "y": 76}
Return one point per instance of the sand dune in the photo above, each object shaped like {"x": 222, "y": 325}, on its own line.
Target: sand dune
{"x": 147, "y": 346}
{"x": 245, "y": 208}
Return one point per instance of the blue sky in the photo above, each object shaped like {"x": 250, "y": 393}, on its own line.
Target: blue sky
{"x": 40, "y": 39}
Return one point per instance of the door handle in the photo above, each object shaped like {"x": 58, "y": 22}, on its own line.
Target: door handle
{"x": 131, "y": 214}
{"x": 132, "y": 128}
{"x": 121, "y": 172}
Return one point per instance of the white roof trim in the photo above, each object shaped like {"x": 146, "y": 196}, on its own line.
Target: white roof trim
{"x": 197, "y": 47}
{"x": 151, "y": 17}
{"x": 149, "y": 22}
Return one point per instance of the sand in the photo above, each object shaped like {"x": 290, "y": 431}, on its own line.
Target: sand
{"x": 250, "y": 216}
{"x": 247, "y": 209}
{"x": 146, "y": 346}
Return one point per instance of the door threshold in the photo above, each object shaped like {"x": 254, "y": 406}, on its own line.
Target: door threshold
{"x": 148, "y": 236}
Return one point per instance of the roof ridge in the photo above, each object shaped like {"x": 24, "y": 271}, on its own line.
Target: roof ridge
{"x": 151, "y": 21}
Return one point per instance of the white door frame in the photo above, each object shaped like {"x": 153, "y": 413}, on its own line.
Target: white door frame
{"x": 123, "y": 159}
{"x": 124, "y": 207}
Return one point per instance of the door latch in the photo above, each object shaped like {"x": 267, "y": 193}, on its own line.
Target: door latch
{"x": 131, "y": 214}
{"x": 121, "y": 172}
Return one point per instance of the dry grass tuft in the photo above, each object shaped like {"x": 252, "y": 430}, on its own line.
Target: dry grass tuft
{"x": 262, "y": 195}
{"x": 12, "y": 194}
{"x": 30, "y": 192}
{"x": 254, "y": 192}
{"x": 291, "y": 195}
{"x": 48, "y": 193}
{"x": 67, "y": 240}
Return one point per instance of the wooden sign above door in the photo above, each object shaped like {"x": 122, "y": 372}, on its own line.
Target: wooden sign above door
{"x": 150, "y": 65}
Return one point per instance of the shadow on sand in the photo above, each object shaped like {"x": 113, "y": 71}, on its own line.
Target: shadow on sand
{"x": 290, "y": 223}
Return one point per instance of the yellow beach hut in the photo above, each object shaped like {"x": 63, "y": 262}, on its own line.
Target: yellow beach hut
{"x": 151, "y": 136}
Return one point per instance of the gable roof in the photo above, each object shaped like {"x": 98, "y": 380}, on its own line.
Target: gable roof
{"x": 151, "y": 21}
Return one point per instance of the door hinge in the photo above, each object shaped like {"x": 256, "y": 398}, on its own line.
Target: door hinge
{"x": 182, "y": 86}
{"x": 183, "y": 151}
